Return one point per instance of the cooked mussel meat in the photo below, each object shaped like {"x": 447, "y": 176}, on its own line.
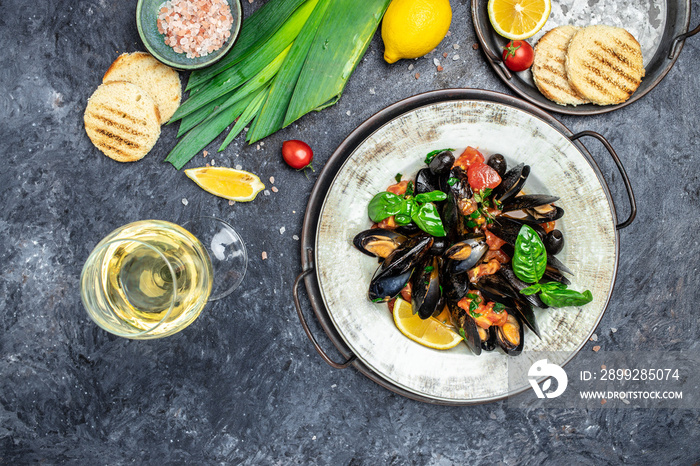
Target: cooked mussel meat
{"x": 488, "y": 337}
{"x": 509, "y": 336}
{"x": 531, "y": 201}
{"x": 426, "y": 295}
{"x": 378, "y": 242}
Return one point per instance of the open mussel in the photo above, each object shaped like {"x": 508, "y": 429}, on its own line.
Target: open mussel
{"x": 510, "y": 336}
{"x": 378, "y": 242}
{"x": 488, "y": 337}
{"x": 465, "y": 254}
{"x": 511, "y": 183}
{"x": 466, "y": 327}
{"x": 395, "y": 271}
{"x": 426, "y": 295}
{"x": 518, "y": 285}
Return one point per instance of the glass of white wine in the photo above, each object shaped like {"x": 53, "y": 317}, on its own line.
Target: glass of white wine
{"x": 152, "y": 278}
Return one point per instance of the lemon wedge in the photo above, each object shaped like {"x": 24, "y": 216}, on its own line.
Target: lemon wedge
{"x": 236, "y": 185}
{"x": 412, "y": 28}
{"x": 518, "y": 19}
{"x": 433, "y": 332}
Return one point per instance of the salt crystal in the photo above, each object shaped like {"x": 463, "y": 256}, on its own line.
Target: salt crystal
{"x": 272, "y": 179}
{"x": 213, "y": 162}
{"x": 410, "y": 67}
{"x": 449, "y": 33}
{"x": 436, "y": 62}
{"x": 613, "y": 329}
{"x": 594, "y": 337}
{"x": 239, "y": 167}
{"x": 282, "y": 230}
{"x": 455, "y": 46}
{"x": 185, "y": 201}
{"x": 266, "y": 192}
{"x": 231, "y": 202}
{"x": 295, "y": 238}
{"x": 456, "y": 57}
{"x": 205, "y": 153}
{"x": 264, "y": 254}
{"x": 417, "y": 75}
{"x": 440, "y": 68}
{"x": 347, "y": 113}
{"x": 596, "y": 348}
{"x": 371, "y": 91}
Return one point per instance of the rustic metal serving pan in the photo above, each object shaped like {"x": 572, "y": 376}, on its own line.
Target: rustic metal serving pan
{"x": 660, "y": 26}
{"x": 396, "y": 140}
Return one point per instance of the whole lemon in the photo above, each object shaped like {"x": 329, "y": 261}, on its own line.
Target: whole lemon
{"x": 412, "y": 28}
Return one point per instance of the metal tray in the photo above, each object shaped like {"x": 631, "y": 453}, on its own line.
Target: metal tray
{"x": 660, "y": 26}
{"x": 331, "y": 182}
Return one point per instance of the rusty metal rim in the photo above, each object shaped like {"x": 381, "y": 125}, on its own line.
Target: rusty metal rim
{"x": 325, "y": 180}
{"x": 662, "y": 62}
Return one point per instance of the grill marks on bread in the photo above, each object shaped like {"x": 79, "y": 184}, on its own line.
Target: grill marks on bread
{"x": 122, "y": 121}
{"x": 161, "y": 82}
{"x": 549, "y": 67}
{"x": 604, "y": 64}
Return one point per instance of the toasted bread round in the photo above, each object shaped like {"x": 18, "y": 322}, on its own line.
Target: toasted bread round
{"x": 159, "y": 80}
{"x": 604, "y": 64}
{"x": 122, "y": 121}
{"x": 549, "y": 67}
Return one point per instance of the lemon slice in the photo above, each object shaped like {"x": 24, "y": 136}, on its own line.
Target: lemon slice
{"x": 236, "y": 185}
{"x": 518, "y": 19}
{"x": 431, "y": 332}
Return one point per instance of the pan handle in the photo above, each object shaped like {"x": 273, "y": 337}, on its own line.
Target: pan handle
{"x": 625, "y": 178}
{"x": 679, "y": 40}
{"x": 307, "y": 330}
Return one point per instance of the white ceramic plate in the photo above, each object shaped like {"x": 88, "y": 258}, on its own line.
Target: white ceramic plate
{"x": 399, "y": 146}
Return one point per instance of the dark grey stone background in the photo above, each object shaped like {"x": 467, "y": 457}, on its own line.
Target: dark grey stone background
{"x": 243, "y": 385}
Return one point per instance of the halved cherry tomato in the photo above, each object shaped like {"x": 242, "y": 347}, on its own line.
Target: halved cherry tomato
{"x": 518, "y": 55}
{"x": 469, "y": 157}
{"x": 548, "y": 226}
{"x": 481, "y": 176}
{"x": 297, "y": 154}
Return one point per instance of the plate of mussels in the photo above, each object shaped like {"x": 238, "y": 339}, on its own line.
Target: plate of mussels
{"x": 481, "y": 206}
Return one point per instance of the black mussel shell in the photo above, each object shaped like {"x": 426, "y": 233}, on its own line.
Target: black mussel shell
{"x": 439, "y": 246}
{"x": 507, "y": 273}
{"x": 528, "y": 201}
{"x": 408, "y": 229}
{"x": 507, "y": 228}
{"x": 426, "y": 295}
{"x": 511, "y": 183}
{"x": 456, "y": 183}
{"x": 466, "y": 254}
{"x": 553, "y": 275}
{"x": 525, "y": 312}
{"x": 384, "y": 287}
{"x": 454, "y": 286}
{"x": 512, "y": 345}
{"x": 378, "y": 242}
{"x": 442, "y": 163}
{"x": 554, "y": 242}
{"x": 466, "y": 326}
{"x": 496, "y": 288}
{"x": 498, "y": 163}
{"x": 426, "y": 181}
{"x": 558, "y": 265}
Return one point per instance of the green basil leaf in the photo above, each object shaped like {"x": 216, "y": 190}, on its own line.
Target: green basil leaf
{"x": 475, "y": 315}
{"x": 451, "y": 181}
{"x": 428, "y": 219}
{"x": 409, "y": 189}
{"x": 498, "y": 308}
{"x": 565, "y": 297}
{"x": 432, "y": 196}
{"x": 551, "y": 286}
{"x": 398, "y": 177}
{"x": 384, "y": 205}
{"x": 530, "y": 258}
{"x": 531, "y": 289}
{"x": 431, "y": 155}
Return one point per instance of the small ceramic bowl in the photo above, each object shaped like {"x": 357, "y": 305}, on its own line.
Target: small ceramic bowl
{"x": 146, "y": 22}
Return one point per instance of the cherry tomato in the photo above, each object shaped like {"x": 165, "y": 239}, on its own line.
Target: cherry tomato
{"x": 518, "y": 55}
{"x": 297, "y": 154}
{"x": 481, "y": 176}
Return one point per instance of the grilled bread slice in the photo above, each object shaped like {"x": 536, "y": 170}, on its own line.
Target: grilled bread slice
{"x": 604, "y": 64}
{"x": 549, "y": 67}
{"x": 159, "y": 80}
{"x": 122, "y": 121}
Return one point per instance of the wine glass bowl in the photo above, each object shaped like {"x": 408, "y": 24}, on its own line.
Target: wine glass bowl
{"x": 152, "y": 278}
